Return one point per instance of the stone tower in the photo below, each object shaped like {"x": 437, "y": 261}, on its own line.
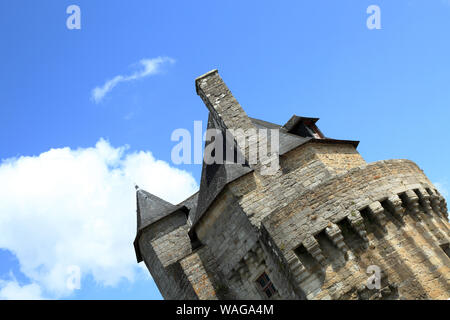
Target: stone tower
{"x": 325, "y": 225}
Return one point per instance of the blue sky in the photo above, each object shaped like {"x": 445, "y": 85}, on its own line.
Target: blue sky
{"x": 387, "y": 88}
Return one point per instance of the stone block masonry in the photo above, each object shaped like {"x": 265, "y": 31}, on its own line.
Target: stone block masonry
{"x": 311, "y": 230}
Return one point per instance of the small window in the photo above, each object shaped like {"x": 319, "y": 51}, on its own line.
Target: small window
{"x": 266, "y": 285}
{"x": 446, "y": 248}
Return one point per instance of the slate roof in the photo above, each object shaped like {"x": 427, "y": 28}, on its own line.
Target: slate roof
{"x": 288, "y": 141}
{"x": 214, "y": 178}
{"x": 191, "y": 202}
{"x": 150, "y": 208}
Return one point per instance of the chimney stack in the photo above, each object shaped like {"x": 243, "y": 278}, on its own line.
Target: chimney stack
{"x": 227, "y": 111}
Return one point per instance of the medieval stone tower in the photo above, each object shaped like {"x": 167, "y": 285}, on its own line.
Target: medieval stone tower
{"x": 315, "y": 229}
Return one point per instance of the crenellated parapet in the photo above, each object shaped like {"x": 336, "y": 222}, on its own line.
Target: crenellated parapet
{"x": 335, "y": 234}
{"x": 366, "y": 207}
{"x": 377, "y": 211}
{"x": 374, "y": 188}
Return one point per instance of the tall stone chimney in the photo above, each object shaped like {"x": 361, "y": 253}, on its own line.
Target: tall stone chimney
{"x": 219, "y": 100}
{"x": 229, "y": 114}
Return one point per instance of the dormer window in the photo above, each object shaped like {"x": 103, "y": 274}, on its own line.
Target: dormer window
{"x": 266, "y": 285}
{"x": 446, "y": 248}
{"x": 304, "y": 127}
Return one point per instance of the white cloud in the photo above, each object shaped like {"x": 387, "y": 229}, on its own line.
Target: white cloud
{"x": 149, "y": 67}
{"x": 442, "y": 188}
{"x": 11, "y": 290}
{"x": 77, "y": 207}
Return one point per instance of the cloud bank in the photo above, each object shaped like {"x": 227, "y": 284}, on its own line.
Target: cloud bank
{"x": 69, "y": 207}
{"x": 149, "y": 67}
{"x": 12, "y": 290}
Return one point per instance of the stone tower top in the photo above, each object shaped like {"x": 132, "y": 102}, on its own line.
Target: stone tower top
{"x": 308, "y": 231}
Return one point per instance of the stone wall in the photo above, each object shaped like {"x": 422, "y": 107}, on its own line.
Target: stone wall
{"x": 200, "y": 279}
{"x": 260, "y": 259}
{"x": 301, "y": 169}
{"x": 169, "y": 238}
{"x": 162, "y": 245}
{"x": 339, "y": 158}
{"x": 227, "y": 232}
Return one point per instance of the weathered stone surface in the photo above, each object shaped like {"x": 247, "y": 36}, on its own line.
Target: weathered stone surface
{"x": 314, "y": 227}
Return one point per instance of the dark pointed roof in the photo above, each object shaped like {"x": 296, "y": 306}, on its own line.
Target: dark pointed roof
{"x": 214, "y": 178}
{"x": 150, "y": 208}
